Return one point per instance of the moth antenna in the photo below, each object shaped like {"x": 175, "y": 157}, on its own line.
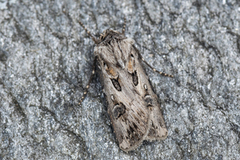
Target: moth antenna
{"x": 161, "y": 73}
{"x": 88, "y": 84}
{"x": 124, "y": 26}
{"x": 96, "y": 41}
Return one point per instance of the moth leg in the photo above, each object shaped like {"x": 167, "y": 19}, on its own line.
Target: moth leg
{"x": 88, "y": 84}
{"x": 124, "y": 26}
{"x": 162, "y": 73}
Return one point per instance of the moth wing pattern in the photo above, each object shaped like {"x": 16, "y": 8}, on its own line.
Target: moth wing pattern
{"x": 157, "y": 128}
{"x": 132, "y": 105}
{"x": 127, "y": 110}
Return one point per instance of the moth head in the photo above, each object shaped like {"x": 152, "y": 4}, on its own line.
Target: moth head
{"x": 112, "y": 33}
{"x": 103, "y": 35}
{"x": 108, "y": 32}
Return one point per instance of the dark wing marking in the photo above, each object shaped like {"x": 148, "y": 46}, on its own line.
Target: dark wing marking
{"x": 157, "y": 128}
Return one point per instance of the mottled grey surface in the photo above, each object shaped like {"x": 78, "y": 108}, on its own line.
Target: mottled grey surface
{"x": 46, "y": 59}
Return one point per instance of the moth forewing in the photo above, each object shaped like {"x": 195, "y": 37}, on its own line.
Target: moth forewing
{"x": 157, "y": 128}
{"x": 132, "y": 105}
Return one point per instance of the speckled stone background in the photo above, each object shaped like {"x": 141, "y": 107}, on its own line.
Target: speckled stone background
{"x": 46, "y": 59}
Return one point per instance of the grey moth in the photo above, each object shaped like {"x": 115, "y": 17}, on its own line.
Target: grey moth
{"x": 132, "y": 105}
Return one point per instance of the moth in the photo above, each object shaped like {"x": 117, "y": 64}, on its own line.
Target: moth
{"x": 132, "y": 105}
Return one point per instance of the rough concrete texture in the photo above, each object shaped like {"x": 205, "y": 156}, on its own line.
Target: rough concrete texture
{"x": 46, "y": 59}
